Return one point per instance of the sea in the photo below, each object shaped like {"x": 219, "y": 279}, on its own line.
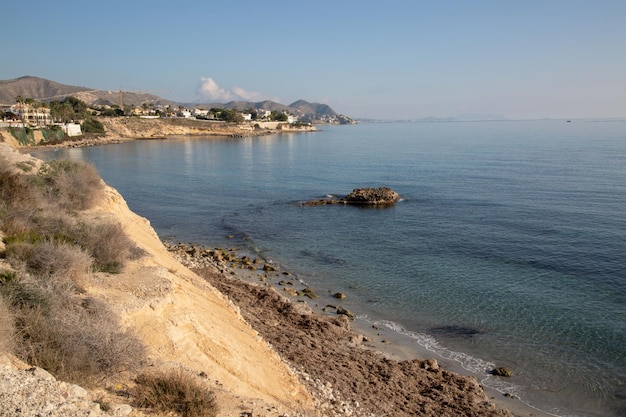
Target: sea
{"x": 507, "y": 248}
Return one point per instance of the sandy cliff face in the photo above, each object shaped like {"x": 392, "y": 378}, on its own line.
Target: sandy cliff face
{"x": 184, "y": 320}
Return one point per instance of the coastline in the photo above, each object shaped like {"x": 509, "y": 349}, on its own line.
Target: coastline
{"x": 245, "y": 285}
{"x": 379, "y": 341}
{"x": 125, "y": 129}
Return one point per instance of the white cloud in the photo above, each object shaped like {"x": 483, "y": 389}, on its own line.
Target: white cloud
{"x": 247, "y": 95}
{"x": 208, "y": 89}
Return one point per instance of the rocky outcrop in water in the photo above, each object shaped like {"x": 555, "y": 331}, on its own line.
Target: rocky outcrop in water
{"x": 382, "y": 196}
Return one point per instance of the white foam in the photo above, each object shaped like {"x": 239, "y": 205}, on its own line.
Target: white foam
{"x": 476, "y": 366}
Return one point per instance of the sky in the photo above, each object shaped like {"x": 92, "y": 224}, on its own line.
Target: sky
{"x": 366, "y": 59}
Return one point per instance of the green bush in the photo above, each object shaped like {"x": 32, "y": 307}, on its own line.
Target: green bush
{"x": 92, "y": 126}
{"x": 23, "y": 135}
{"x": 174, "y": 391}
{"x": 53, "y": 134}
{"x": 24, "y": 294}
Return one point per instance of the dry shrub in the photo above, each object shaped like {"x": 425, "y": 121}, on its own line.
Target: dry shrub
{"x": 79, "y": 341}
{"x": 59, "y": 259}
{"x": 55, "y": 327}
{"x": 20, "y": 292}
{"x": 73, "y": 185}
{"x": 50, "y": 259}
{"x": 18, "y": 201}
{"x": 108, "y": 244}
{"x": 174, "y": 391}
{"x": 13, "y": 187}
{"x": 6, "y": 327}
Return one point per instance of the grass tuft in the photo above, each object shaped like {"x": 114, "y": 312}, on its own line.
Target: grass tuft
{"x": 174, "y": 391}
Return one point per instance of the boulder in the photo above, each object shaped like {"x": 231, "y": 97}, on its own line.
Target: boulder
{"x": 372, "y": 196}
{"x": 382, "y": 196}
{"x": 502, "y": 371}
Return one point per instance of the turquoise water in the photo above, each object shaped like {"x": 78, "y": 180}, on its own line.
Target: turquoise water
{"x": 508, "y": 247}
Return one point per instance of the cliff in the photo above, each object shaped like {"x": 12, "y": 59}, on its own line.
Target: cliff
{"x": 138, "y": 128}
{"x": 184, "y": 321}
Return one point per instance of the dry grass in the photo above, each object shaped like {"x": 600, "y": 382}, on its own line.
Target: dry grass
{"x": 76, "y": 338}
{"x": 50, "y": 323}
{"x": 74, "y": 185}
{"x": 6, "y": 327}
{"x": 40, "y": 207}
{"x": 174, "y": 391}
{"x": 109, "y": 246}
{"x": 51, "y": 258}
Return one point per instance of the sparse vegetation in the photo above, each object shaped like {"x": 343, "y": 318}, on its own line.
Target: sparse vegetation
{"x": 74, "y": 337}
{"x": 6, "y": 326}
{"x": 48, "y": 321}
{"x": 73, "y": 185}
{"x": 174, "y": 391}
{"x": 91, "y": 125}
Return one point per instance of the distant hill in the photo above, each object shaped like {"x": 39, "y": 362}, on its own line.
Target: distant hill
{"x": 45, "y": 90}
{"x": 33, "y": 87}
{"x": 306, "y": 112}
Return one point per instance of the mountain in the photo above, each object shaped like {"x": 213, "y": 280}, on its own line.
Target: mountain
{"x": 37, "y": 88}
{"x": 305, "y": 111}
{"x": 44, "y": 90}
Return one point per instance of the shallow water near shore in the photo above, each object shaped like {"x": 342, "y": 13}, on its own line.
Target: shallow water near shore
{"x": 507, "y": 248}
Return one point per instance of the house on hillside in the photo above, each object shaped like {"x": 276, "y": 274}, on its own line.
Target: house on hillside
{"x": 30, "y": 115}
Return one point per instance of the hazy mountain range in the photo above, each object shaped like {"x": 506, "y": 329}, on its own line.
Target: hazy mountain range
{"x": 44, "y": 90}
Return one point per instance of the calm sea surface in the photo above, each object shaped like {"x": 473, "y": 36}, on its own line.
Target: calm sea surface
{"x": 508, "y": 248}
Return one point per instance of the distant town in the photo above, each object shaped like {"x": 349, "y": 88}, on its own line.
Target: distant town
{"x": 71, "y": 114}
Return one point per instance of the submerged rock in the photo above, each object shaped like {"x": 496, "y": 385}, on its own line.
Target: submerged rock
{"x": 502, "y": 371}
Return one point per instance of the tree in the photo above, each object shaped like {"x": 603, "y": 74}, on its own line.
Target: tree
{"x": 252, "y": 111}
{"x": 230, "y": 115}
{"x": 68, "y": 110}
{"x": 278, "y": 116}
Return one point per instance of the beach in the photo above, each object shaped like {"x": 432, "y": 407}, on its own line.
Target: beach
{"x": 348, "y": 365}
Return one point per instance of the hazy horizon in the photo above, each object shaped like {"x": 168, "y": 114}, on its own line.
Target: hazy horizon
{"x": 407, "y": 60}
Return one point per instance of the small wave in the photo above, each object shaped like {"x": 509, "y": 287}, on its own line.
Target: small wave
{"x": 476, "y": 366}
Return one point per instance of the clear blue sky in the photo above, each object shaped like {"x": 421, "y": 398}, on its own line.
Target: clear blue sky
{"x": 377, "y": 59}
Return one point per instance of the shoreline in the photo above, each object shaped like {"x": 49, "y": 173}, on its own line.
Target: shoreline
{"x": 129, "y": 128}
{"x": 385, "y": 341}
{"x": 244, "y": 277}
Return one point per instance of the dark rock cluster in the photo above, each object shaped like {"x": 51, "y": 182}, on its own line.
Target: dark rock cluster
{"x": 382, "y": 196}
